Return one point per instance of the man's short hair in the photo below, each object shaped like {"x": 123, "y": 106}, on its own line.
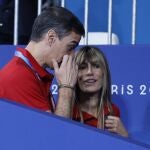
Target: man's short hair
{"x": 60, "y": 19}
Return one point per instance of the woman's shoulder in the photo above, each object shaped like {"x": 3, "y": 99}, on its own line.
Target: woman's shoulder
{"x": 116, "y": 110}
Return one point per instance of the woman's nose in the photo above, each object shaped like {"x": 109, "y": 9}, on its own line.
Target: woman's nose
{"x": 89, "y": 69}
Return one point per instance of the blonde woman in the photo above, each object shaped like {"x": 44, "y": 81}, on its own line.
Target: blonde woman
{"x": 93, "y": 104}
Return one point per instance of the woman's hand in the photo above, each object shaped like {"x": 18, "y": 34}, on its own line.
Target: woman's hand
{"x": 114, "y": 124}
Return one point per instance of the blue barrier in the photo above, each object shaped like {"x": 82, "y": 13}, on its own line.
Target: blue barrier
{"x": 22, "y": 128}
{"x": 129, "y": 66}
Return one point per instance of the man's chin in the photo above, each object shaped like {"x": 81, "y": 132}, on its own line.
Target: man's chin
{"x": 48, "y": 67}
{"x": 59, "y": 64}
{"x": 52, "y": 67}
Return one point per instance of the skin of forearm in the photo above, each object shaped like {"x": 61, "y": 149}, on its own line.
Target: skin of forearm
{"x": 64, "y": 104}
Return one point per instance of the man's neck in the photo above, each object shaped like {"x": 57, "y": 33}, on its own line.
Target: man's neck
{"x": 36, "y": 51}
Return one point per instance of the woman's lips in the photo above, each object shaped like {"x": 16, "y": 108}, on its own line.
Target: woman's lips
{"x": 90, "y": 81}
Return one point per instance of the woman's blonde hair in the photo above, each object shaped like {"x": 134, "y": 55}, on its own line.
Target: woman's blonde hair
{"x": 94, "y": 54}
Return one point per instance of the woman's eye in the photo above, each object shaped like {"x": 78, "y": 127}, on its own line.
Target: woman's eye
{"x": 81, "y": 67}
{"x": 96, "y": 65}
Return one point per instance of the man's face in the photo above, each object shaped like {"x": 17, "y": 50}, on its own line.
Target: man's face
{"x": 62, "y": 47}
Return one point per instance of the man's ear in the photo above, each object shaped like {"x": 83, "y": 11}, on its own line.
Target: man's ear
{"x": 51, "y": 36}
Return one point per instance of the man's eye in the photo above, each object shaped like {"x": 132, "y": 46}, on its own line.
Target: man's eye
{"x": 70, "y": 48}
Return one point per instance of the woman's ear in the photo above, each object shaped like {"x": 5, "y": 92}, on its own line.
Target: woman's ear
{"x": 51, "y": 36}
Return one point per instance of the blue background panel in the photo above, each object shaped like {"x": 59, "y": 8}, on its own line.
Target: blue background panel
{"x": 129, "y": 66}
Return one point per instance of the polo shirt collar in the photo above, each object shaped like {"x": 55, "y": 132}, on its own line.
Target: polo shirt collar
{"x": 43, "y": 74}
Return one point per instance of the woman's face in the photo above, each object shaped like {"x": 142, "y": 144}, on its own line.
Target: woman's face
{"x": 90, "y": 77}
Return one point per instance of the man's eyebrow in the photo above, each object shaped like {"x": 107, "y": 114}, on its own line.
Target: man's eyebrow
{"x": 74, "y": 42}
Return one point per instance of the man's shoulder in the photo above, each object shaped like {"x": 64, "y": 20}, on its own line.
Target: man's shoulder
{"x": 15, "y": 69}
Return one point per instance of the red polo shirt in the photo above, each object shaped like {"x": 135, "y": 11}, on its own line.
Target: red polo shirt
{"x": 91, "y": 120}
{"x": 24, "y": 84}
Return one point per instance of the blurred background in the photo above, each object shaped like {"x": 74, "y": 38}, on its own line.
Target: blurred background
{"x": 106, "y": 21}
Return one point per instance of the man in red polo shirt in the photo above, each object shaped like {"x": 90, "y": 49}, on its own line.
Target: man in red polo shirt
{"x": 55, "y": 34}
